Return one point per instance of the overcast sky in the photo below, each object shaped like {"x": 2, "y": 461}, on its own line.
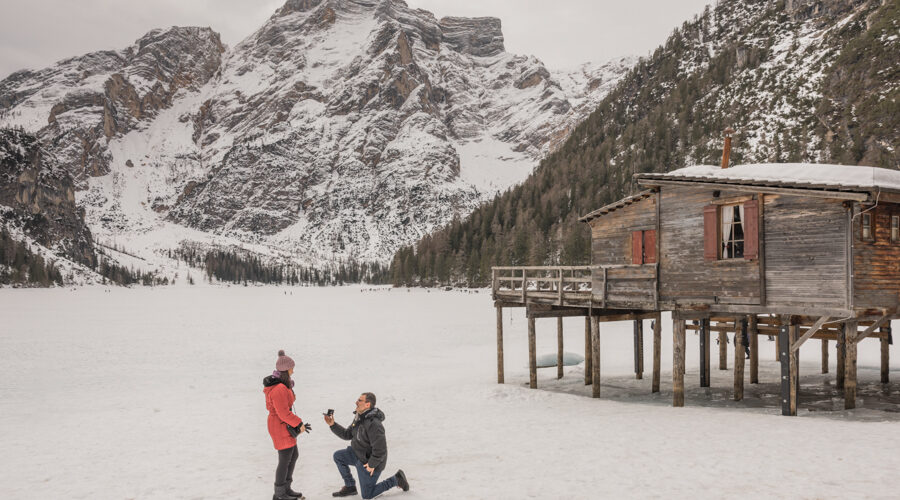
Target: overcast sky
{"x": 562, "y": 33}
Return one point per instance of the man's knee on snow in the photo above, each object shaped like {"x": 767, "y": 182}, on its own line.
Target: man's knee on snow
{"x": 367, "y": 491}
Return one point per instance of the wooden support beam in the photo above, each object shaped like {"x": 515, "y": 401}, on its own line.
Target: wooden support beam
{"x": 588, "y": 352}
{"x": 885, "y": 354}
{"x": 657, "y": 337}
{"x": 595, "y": 353}
{"x": 678, "y": 362}
{"x": 638, "y": 349}
{"x": 794, "y": 332}
{"x": 559, "y": 347}
{"x": 789, "y": 382}
{"x": 532, "y": 354}
{"x": 557, "y": 313}
{"x": 810, "y": 332}
{"x": 704, "y": 352}
{"x": 559, "y": 288}
{"x": 814, "y": 193}
{"x": 850, "y": 338}
{"x": 881, "y": 321}
{"x": 723, "y": 351}
{"x": 499, "y": 345}
{"x": 824, "y": 355}
{"x": 753, "y": 332}
{"x": 603, "y": 296}
{"x": 841, "y": 355}
{"x": 739, "y": 359}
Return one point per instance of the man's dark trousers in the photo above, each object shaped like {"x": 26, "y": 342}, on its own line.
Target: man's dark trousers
{"x": 369, "y": 487}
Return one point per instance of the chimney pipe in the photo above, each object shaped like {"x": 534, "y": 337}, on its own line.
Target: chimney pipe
{"x": 726, "y": 151}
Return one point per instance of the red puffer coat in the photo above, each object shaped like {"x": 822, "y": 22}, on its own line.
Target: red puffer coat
{"x": 279, "y": 400}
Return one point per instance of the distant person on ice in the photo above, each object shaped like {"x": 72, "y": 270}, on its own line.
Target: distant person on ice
{"x": 279, "y": 390}
{"x": 367, "y": 451}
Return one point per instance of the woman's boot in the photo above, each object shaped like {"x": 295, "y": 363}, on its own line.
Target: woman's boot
{"x": 281, "y": 493}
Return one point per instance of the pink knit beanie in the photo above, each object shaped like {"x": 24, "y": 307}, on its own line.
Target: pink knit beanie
{"x": 284, "y": 362}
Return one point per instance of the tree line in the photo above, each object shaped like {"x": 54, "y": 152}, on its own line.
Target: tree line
{"x": 239, "y": 267}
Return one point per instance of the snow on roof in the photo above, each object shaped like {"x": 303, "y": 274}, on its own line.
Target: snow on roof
{"x": 808, "y": 175}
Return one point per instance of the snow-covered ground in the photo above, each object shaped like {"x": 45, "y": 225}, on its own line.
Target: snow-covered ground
{"x": 157, "y": 394}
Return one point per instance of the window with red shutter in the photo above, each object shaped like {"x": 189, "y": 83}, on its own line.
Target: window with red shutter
{"x": 711, "y": 232}
{"x": 650, "y": 246}
{"x": 637, "y": 247}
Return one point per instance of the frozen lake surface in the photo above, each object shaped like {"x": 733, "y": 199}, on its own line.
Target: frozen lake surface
{"x": 157, "y": 394}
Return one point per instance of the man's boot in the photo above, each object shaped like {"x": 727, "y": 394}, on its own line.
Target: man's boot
{"x": 346, "y": 491}
{"x": 292, "y": 493}
{"x": 401, "y": 480}
{"x": 282, "y": 494}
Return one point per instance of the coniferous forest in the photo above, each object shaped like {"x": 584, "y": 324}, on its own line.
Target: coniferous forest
{"x": 663, "y": 117}
{"x": 236, "y": 267}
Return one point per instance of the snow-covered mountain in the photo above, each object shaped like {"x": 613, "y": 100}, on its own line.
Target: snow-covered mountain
{"x": 339, "y": 129}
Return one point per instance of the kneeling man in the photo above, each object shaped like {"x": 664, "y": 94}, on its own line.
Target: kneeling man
{"x": 367, "y": 451}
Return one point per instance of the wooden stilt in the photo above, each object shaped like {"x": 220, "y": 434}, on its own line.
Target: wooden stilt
{"x": 753, "y": 332}
{"x": 588, "y": 351}
{"x": 657, "y": 338}
{"x": 723, "y": 351}
{"x": 840, "y": 367}
{"x": 595, "y": 341}
{"x": 824, "y": 355}
{"x": 885, "y": 354}
{"x": 739, "y": 333}
{"x": 850, "y": 333}
{"x": 638, "y": 349}
{"x": 678, "y": 362}
{"x": 794, "y": 334}
{"x": 532, "y": 355}
{"x": 789, "y": 391}
{"x": 559, "y": 347}
{"x": 499, "y": 345}
{"x": 704, "y": 352}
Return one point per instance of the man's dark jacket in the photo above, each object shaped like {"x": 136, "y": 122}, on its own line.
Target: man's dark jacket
{"x": 366, "y": 435}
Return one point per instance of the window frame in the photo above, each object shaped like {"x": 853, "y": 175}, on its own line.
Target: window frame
{"x": 863, "y": 227}
{"x": 895, "y": 228}
{"x": 736, "y": 208}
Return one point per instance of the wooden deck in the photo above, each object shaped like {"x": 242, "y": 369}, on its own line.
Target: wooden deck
{"x": 627, "y": 287}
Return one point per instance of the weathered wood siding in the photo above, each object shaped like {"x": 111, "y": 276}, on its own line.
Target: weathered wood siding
{"x": 611, "y": 233}
{"x": 876, "y": 264}
{"x": 631, "y": 287}
{"x": 805, "y": 251}
{"x": 685, "y": 277}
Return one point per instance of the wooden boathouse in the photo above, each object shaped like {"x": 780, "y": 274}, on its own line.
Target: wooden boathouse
{"x": 795, "y": 250}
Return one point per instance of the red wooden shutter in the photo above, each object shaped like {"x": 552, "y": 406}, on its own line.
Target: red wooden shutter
{"x": 637, "y": 249}
{"x": 751, "y": 229}
{"x": 650, "y": 246}
{"x": 711, "y": 232}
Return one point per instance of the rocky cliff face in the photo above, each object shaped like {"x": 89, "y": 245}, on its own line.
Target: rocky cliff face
{"x": 339, "y": 129}
{"x": 78, "y": 105}
{"x": 38, "y": 196}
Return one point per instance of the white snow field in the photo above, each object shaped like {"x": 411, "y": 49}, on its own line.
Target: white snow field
{"x": 157, "y": 394}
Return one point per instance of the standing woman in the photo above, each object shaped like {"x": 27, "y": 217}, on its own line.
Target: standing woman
{"x": 279, "y": 390}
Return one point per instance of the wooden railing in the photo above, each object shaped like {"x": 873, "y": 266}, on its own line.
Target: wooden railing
{"x": 613, "y": 286}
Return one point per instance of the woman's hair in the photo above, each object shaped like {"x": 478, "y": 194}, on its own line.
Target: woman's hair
{"x": 286, "y": 379}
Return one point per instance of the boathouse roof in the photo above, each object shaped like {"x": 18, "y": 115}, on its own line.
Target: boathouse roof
{"x": 841, "y": 180}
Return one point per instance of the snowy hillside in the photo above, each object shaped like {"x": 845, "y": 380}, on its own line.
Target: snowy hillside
{"x": 340, "y": 129}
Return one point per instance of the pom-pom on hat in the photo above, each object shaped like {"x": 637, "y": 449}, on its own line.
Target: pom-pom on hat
{"x": 284, "y": 362}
